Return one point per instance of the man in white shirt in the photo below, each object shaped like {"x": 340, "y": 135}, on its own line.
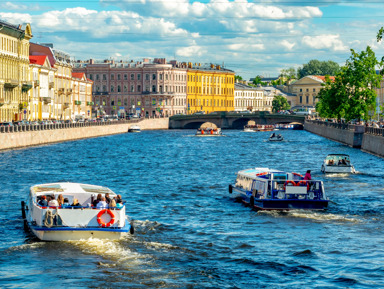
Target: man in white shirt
{"x": 53, "y": 202}
{"x": 102, "y": 204}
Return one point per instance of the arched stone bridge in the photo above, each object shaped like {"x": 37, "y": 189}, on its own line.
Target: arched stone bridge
{"x": 227, "y": 120}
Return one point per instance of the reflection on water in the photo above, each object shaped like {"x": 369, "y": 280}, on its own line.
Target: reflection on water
{"x": 188, "y": 232}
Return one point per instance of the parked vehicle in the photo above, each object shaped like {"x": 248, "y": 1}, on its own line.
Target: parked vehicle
{"x": 7, "y": 123}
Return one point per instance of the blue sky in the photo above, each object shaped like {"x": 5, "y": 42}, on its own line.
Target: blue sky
{"x": 252, "y": 38}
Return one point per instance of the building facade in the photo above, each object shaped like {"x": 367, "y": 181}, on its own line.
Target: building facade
{"x": 15, "y": 76}
{"x": 146, "y": 88}
{"x": 210, "y": 88}
{"x": 82, "y": 96}
{"x": 306, "y": 90}
{"x": 248, "y": 98}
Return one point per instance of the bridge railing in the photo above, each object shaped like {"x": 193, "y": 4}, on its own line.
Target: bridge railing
{"x": 344, "y": 126}
{"x": 374, "y": 131}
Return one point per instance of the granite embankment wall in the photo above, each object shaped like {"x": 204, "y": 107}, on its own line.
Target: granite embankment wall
{"x": 367, "y": 139}
{"x": 13, "y": 140}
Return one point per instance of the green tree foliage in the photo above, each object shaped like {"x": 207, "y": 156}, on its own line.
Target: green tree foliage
{"x": 238, "y": 77}
{"x": 288, "y": 74}
{"x": 352, "y": 94}
{"x": 279, "y": 102}
{"x": 316, "y": 67}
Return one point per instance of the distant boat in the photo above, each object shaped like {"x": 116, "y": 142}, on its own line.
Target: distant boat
{"x": 73, "y": 222}
{"x": 337, "y": 163}
{"x": 208, "y": 129}
{"x": 276, "y": 137}
{"x": 134, "y": 128}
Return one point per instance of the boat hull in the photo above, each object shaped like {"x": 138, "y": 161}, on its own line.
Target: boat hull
{"x": 73, "y": 234}
{"x": 338, "y": 169}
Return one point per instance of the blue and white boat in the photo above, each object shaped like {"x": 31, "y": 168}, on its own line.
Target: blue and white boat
{"x": 64, "y": 223}
{"x": 270, "y": 189}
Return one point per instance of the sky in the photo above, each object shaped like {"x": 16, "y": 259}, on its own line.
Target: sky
{"x": 252, "y": 38}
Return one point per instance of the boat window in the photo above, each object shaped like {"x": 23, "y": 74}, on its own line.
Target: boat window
{"x": 101, "y": 190}
{"x": 281, "y": 177}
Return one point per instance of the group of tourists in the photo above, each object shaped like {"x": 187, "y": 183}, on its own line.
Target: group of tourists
{"x": 101, "y": 202}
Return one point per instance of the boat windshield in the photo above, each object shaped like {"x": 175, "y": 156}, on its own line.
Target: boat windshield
{"x": 280, "y": 177}
{"x": 337, "y": 159}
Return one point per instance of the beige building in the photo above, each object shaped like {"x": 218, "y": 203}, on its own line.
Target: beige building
{"x": 15, "y": 77}
{"x": 248, "y": 98}
{"x": 306, "y": 89}
{"x": 82, "y": 96}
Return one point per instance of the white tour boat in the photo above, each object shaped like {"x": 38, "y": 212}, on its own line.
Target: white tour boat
{"x": 63, "y": 223}
{"x": 134, "y": 128}
{"x": 270, "y": 189}
{"x": 337, "y": 163}
{"x": 208, "y": 129}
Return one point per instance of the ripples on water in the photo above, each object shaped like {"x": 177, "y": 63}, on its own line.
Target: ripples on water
{"x": 189, "y": 234}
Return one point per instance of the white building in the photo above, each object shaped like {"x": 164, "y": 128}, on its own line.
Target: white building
{"x": 248, "y": 98}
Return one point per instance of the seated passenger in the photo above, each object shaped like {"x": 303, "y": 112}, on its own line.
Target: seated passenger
{"x": 43, "y": 201}
{"x": 112, "y": 204}
{"x": 76, "y": 203}
{"x": 118, "y": 199}
{"x": 98, "y": 199}
{"x": 60, "y": 199}
{"x": 53, "y": 202}
{"x": 107, "y": 198}
{"x": 65, "y": 203}
{"x": 102, "y": 204}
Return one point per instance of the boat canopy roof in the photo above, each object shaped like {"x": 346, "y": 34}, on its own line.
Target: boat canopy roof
{"x": 69, "y": 188}
{"x": 251, "y": 173}
{"x": 208, "y": 125}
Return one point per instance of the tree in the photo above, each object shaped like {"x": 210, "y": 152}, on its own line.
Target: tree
{"x": 288, "y": 74}
{"x": 352, "y": 95}
{"x": 257, "y": 80}
{"x": 279, "y": 102}
{"x": 316, "y": 67}
{"x": 238, "y": 77}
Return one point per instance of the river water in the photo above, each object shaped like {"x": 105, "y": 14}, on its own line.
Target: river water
{"x": 188, "y": 232}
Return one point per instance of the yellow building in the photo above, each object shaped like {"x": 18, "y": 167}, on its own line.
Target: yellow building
{"x": 209, "y": 88}
{"x": 15, "y": 76}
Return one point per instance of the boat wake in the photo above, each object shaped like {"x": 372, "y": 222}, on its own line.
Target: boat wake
{"x": 110, "y": 250}
{"x": 321, "y": 217}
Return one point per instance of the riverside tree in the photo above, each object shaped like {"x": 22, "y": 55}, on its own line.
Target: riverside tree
{"x": 279, "y": 102}
{"x": 352, "y": 94}
{"x": 316, "y": 67}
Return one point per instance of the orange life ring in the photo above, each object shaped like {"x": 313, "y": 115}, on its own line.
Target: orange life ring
{"x": 262, "y": 174}
{"x": 101, "y": 223}
{"x": 289, "y": 182}
{"x": 303, "y": 183}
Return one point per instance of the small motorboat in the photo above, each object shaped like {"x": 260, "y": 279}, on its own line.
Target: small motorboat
{"x": 208, "y": 129}
{"x": 276, "y": 137}
{"x": 270, "y": 189}
{"x": 78, "y": 221}
{"x": 337, "y": 163}
{"x": 134, "y": 128}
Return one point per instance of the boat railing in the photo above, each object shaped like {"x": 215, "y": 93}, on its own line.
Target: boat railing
{"x": 302, "y": 189}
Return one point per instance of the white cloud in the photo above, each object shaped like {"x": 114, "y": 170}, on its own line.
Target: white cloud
{"x": 287, "y": 44}
{"x": 190, "y": 51}
{"x": 329, "y": 41}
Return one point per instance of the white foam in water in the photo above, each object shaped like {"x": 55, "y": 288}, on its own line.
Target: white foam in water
{"x": 157, "y": 245}
{"x": 313, "y": 216}
{"x": 109, "y": 249}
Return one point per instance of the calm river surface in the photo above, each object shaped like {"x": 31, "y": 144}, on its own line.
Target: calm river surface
{"x": 189, "y": 233}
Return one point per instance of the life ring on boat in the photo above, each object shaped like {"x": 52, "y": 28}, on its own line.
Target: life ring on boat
{"x": 261, "y": 174}
{"x": 303, "y": 183}
{"x": 101, "y": 223}
{"x": 289, "y": 182}
{"x": 230, "y": 189}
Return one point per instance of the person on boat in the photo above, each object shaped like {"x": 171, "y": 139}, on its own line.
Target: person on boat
{"x": 43, "y": 201}
{"x": 53, "y": 202}
{"x": 112, "y": 204}
{"x": 98, "y": 199}
{"x": 273, "y": 135}
{"x": 75, "y": 203}
{"x": 107, "y": 198}
{"x": 65, "y": 203}
{"x": 60, "y": 200}
{"x": 308, "y": 176}
{"x": 102, "y": 204}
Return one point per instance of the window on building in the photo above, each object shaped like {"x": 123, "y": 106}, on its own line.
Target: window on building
{"x": 104, "y": 88}
{"x": 125, "y": 76}
{"x": 112, "y": 77}
{"x": 90, "y": 77}
{"x": 301, "y": 90}
{"x": 139, "y": 88}
{"x": 138, "y": 76}
{"x": 153, "y": 76}
{"x": 147, "y": 76}
{"x": 118, "y": 77}
{"x": 132, "y": 76}
{"x": 301, "y": 99}
{"x": 132, "y": 88}
{"x": 307, "y": 98}
{"x": 314, "y": 90}
{"x": 161, "y": 77}
{"x": 153, "y": 88}
{"x": 118, "y": 88}
{"x": 112, "y": 102}
{"x": 112, "y": 88}
{"x": 104, "y": 77}
{"x": 125, "y": 88}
